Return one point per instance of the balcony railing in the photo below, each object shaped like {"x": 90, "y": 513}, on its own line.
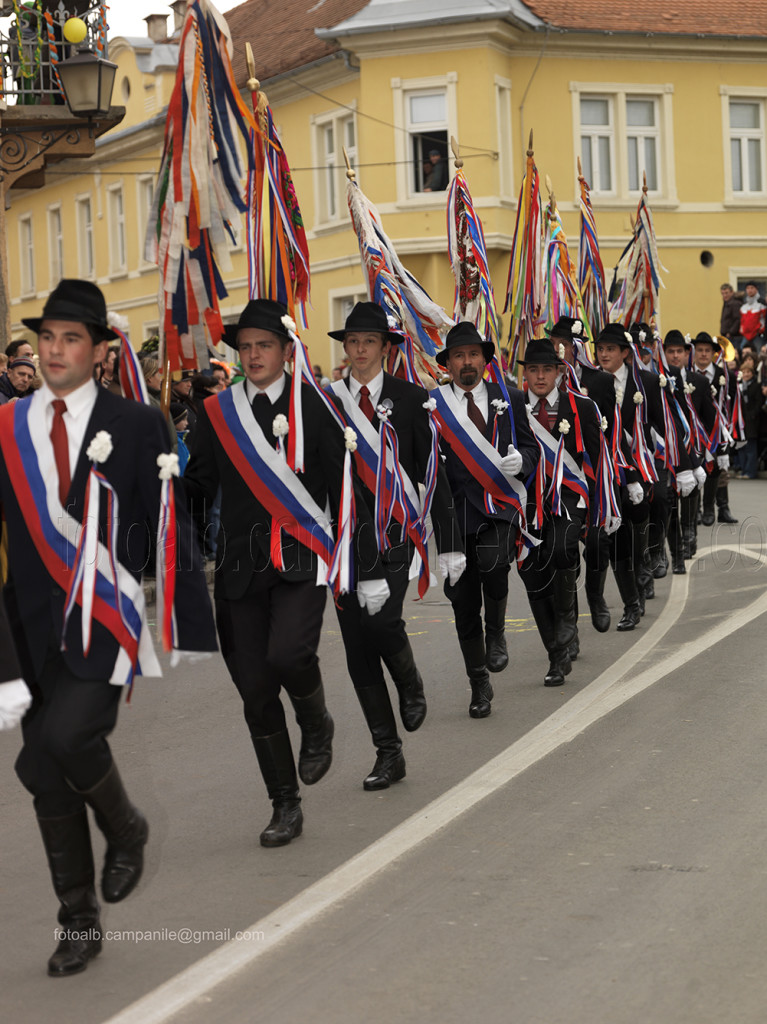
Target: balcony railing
{"x": 32, "y": 44}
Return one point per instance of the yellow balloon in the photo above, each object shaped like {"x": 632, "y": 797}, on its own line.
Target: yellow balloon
{"x": 75, "y": 30}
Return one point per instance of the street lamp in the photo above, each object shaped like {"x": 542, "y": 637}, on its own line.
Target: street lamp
{"x": 87, "y": 82}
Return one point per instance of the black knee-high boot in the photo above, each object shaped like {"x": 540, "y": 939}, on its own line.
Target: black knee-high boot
{"x": 67, "y": 843}
{"x": 278, "y": 768}
{"x": 389, "y": 765}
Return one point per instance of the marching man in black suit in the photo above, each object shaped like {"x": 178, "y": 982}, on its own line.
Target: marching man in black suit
{"x": 369, "y": 641}
{"x": 550, "y": 570}
{"x": 60, "y": 450}
{"x": 489, "y": 451}
{"x": 274, "y": 543}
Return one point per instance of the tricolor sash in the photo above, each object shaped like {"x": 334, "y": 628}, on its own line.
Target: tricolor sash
{"x": 481, "y": 459}
{"x": 118, "y": 599}
{"x": 405, "y": 505}
{"x": 268, "y": 476}
{"x": 558, "y": 466}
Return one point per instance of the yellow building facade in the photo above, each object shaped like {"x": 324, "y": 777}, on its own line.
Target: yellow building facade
{"x": 688, "y": 111}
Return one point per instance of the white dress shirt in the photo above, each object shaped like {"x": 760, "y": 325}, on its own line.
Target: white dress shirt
{"x": 619, "y": 380}
{"x": 375, "y": 387}
{"x": 552, "y": 403}
{"x": 273, "y": 392}
{"x": 80, "y": 404}
{"x": 481, "y": 399}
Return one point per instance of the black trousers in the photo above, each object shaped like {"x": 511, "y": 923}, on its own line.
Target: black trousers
{"x": 269, "y": 640}
{"x": 489, "y": 554}
{"x": 626, "y": 546}
{"x": 661, "y": 499}
{"x": 558, "y": 550}
{"x": 369, "y": 638}
{"x": 65, "y": 737}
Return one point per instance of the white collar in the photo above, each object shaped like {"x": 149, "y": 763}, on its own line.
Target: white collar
{"x": 621, "y": 374}
{"x": 273, "y": 392}
{"x": 80, "y": 400}
{"x": 375, "y": 385}
{"x": 478, "y": 391}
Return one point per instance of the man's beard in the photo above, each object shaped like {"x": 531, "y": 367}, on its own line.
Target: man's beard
{"x": 469, "y": 375}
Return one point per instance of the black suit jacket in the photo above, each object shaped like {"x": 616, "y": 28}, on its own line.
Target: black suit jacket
{"x": 36, "y": 604}
{"x": 243, "y": 549}
{"x": 411, "y": 424}
{"x": 589, "y": 420}
{"x": 468, "y": 493}
{"x": 9, "y": 663}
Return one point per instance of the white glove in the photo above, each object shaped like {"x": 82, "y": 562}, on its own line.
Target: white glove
{"x": 700, "y": 475}
{"x": 723, "y": 461}
{"x": 15, "y": 699}
{"x": 373, "y": 595}
{"x": 636, "y": 494}
{"x": 511, "y": 463}
{"x": 612, "y": 524}
{"x": 686, "y": 482}
{"x": 452, "y": 565}
{"x": 188, "y": 657}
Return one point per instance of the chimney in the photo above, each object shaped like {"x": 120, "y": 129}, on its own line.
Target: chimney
{"x": 157, "y": 27}
{"x": 179, "y": 13}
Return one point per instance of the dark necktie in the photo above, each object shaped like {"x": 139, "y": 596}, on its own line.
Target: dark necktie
{"x": 262, "y": 410}
{"x": 475, "y": 415}
{"x": 366, "y": 406}
{"x": 543, "y": 414}
{"x": 60, "y": 443}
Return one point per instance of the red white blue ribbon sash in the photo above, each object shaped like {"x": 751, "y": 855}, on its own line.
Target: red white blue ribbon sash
{"x": 395, "y": 493}
{"x": 268, "y": 476}
{"x": 557, "y": 463}
{"x": 114, "y": 598}
{"x": 477, "y": 454}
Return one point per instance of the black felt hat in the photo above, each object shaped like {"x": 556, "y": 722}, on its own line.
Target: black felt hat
{"x": 675, "y": 339}
{"x": 367, "y": 316}
{"x": 80, "y": 301}
{"x": 264, "y": 314}
{"x": 464, "y": 333}
{"x": 704, "y": 338}
{"x": 540, "y": 352}
{"x": 563, "y": 328}
{"x": 615, "y": 334}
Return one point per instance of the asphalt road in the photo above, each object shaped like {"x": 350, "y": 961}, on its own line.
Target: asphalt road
{"x": 593, "y": 853}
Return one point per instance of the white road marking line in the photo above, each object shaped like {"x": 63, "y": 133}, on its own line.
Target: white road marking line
{"x": 614, "y": 687}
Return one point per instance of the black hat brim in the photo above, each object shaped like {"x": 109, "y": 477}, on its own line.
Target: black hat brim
{"x": 33, "y": 323}
{"x": 395, "y": 339}
{"x": 488, "y": 351}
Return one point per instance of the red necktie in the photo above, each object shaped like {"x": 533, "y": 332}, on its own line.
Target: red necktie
{"x": 366, "y": 406}
{"x": 543, "y": 414}
{"x": 60, "y": 443}
{"x": 475, "y": 415}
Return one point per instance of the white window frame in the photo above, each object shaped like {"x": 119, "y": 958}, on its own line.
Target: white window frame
{"x": 144, "y": 182}
{"x": 595, "y": 132}
{"x": 86, "y": 251}
{"x": 617, "y": 93}
{"x": 27, "y": 254}
{"x": 503, "y": 115}
{"x": 330, "y": 170}
{"x": 118, "y": 239}
{"x": 402, "y": 89}
{"x": 55, "y": 245}
{"x": 746, "y": 94}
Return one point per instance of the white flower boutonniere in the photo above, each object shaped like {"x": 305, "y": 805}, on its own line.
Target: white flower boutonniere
{"x": 564, "y": 427}
{"x": 689, "y": 388}
{"x": 638, "y": 399}
{"x": 350, "y": 439}
{"x": 619, "y": 396}
{"x": 384, "y": 411}
{"x": 500, "y": 406}
{"x": 561, "y": 351}
{"x": 740, "y": 375}
{"x": 713, "y": 391}
{"x": 577, "y": 327}
{"x": 430, "y": 405}
{"x": 721, "y": 381}
{"x": 288, "y": 323}
{"x": 663, "y": 380}
{"x": 100, "y": 448}
{"x": 168, "y": 463}
{"x": 280, "y": 425}
{"x": 603, "y": 424}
